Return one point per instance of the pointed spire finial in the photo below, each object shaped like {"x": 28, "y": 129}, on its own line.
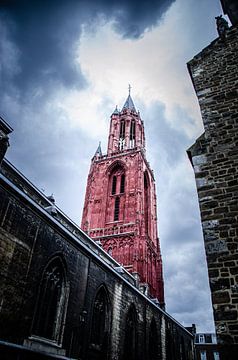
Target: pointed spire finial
{"x": 98, "y": 152}
{"x": 116, "y": 111}
{"x": 129, "y": 102}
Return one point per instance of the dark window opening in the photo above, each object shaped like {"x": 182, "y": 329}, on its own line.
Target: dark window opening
{"x": 116, "y": 209}
{"x": 169, "y": 353}
{"x": 114, "y": 185}
{"x": 100, "y": 326}
{"x": 122, "y": 129}
{"x": 130, "y": 342}
{"x": 100, "y": 318}
{"x": 132, "y": 134}
{"x": 182, "y": 349}
{"x": 122, "y": 186}
{"x": 51, "y": 302}
{"x": 122, "y": 135}
{"x": 153, "y": 341}
{"x": 146, "y": 203}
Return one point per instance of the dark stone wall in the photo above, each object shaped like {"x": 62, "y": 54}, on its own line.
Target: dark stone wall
{"x": 30, "y": 237}
{"x": 214, "y": 156}
{"x": 230, "y": 8}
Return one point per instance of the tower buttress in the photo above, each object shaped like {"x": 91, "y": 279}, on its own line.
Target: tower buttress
{"x": 120, "y": 201}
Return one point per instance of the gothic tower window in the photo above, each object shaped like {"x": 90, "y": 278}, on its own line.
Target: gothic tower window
{"x": 122, "y": 185}
{"x": 122, "y": 135}
{"x": 130, "y": 342}
{"x": 132, "y": 134}
{"x": 100, "y": 327}
{"x": 146, "y": 202}
{"x": 117, "y": 180}
{"x": 117, "y": 209}
{"x": 114, "y": 185}
{"x": 116, "y": 192}
{"x": 51, "y": 305}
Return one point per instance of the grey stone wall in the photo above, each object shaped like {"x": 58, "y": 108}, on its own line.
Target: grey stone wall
{"x": 214, "y": 156}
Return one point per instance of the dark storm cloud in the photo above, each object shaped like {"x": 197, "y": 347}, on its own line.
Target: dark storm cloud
{"x": 44, "y": 36}
{"x": 134, "y": 17}
{"x": 38, "y": 46}
{"x": 45, "y": 32}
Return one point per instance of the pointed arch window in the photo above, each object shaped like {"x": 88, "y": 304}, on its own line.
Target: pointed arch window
{"x": 132, "y": 134}
{"x": 116, "y": 192}
{"x": 122, "y": 135}
{"x": 101, "y": 320}
{"x": 130, "y": 342}
{"x": 170, "y": 336}
{"x": 117, "y": 208}
{"x": 114, "y": 184}
{"x": 153, "y": 341}
{"x": 117, "y": 180}
{"x": 146, "y": 202}
{"x": 51, "y": 305}
{"x": 182, "y": 349}
{"x": 122, "y": 185}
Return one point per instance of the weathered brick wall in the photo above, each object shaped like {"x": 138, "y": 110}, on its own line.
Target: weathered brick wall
{"x": 214, "y": 156}
{"x": 29, "y": 238}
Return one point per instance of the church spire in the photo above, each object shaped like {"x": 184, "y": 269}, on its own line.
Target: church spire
{"x": 116, "y": 111}
{"x": 120, "y": 201}
{"x": 126, "y": 129}
{"x": 98, "y": 152}
{"x": 129, "y": 102}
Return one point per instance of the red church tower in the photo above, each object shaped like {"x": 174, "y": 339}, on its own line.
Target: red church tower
{"x": 120, "y": 201}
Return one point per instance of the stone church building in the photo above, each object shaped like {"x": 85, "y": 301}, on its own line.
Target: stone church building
{"x": 91, "y": 294}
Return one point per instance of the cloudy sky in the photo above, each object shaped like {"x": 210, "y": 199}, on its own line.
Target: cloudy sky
{"x": 64, "y": 65}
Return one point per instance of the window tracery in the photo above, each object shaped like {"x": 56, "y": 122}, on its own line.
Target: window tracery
{"x": 117, "y": 183}
{"x": 51, "y": 303}
{"x": 130, "y": 342}
{"x": 117, "y": 208}
{"x": 100, "y": 322}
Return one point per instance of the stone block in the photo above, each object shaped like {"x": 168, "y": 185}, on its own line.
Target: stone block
{"x": 211, "y": 224}
{"x": 234, "y": 270}
{"x": 216, "y": 247}
{"x": 221, "y": 297}
{"x": 209, "y": 204}
{"x": 230, "y": 263}
{"x": 225, "y": 315}
{"x": 213, "y": 273}
{"x": 219, "y": 284}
